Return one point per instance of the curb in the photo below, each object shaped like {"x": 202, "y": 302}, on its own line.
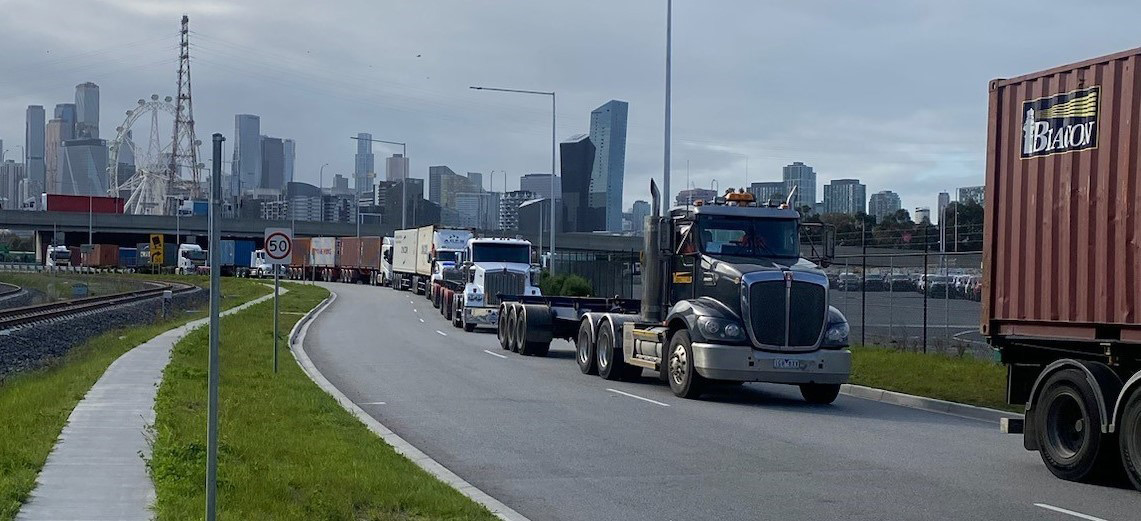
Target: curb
{"x": 402, "y": 447}
{"x": 911, "y": 401}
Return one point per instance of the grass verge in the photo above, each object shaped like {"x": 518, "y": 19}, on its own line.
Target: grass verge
{"x": 956, "y": 379}
{"x": 287, "y": 450}
{"x": 35, "y": 405}
{"x": 58, "y": 286}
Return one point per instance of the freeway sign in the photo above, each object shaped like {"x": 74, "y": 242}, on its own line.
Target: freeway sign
{"x": 278, "y": 245}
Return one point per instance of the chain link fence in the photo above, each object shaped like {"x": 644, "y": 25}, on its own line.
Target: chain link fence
{"x": 611, "y": 274}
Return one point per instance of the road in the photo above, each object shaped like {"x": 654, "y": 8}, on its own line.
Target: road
{"x": 553, "y": 443}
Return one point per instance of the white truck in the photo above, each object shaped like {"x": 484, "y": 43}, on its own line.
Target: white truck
{"x": 260, "y": 266}
{"x": 488, "y": 268}
{"x": 57, "y": 256}
{"x": 191, "y": 259}
{"x": 385, "y": 261}
{"x": 415, "y": 252}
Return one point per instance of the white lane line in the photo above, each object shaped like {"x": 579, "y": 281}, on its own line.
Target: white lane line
{"x": 441, "y": 332}
{"x": 655, "y": 402}
{"x": 372, "y": 403}
{"x": 1068, "y": 512}
{"x": 494, "y": 354}
{"x": 414, "y": 310}
{"x": 421, "y": 321}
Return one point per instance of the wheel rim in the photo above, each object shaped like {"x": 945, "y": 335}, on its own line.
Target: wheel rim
{"x": 520, "y": 328}
{"x": 1067, "y": 427}
{"x": 1131, "y": 435}
{"x": 500, "y": 329}
{"x": 582, "y": 347}
{"x": 679, "y": 365}
{"x": 605, "y": 351}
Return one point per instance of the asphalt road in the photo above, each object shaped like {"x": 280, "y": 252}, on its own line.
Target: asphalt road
{"x": 553, "y": 443}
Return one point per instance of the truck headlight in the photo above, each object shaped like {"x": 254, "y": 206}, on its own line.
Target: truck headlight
{"x": 720, "y": 328}
{"x": 836, "y": 333}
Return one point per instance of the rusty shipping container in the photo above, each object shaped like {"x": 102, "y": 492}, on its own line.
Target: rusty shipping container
{"x": 1062, "y": 247}
{"x": 370, "y": 248}
{"x": 360, "y": 253}
{"x": 101, "y": 256}
{"x": 300, "y": 252}
{"x": 348, "y": 252}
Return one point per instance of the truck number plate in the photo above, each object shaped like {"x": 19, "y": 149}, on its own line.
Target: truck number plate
{"x": 788, "y": 363}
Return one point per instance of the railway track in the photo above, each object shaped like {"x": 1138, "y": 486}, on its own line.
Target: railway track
{"x": 21, "y": 316}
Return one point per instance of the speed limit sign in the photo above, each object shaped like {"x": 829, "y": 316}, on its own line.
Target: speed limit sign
{"x": 278, "y": 245}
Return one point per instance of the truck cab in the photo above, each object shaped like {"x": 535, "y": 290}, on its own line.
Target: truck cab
{"x": 191, "y": 259}
{"x": 492, "y": 267}
{"x": 385, "y": 261}
{"x": 57, "y": 256}
{"x": 259, "y": 264}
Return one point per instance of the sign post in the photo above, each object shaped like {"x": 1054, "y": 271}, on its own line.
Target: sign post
{"x": 157, "y": 251}
{"x": 278, "y": 251}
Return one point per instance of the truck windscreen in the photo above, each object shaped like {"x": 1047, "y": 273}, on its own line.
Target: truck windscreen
{"x": 446, "y": 256}
{"x": 744, "y": 237}
{"x": 515, "y": 253}
{"x": 195, "y": 255}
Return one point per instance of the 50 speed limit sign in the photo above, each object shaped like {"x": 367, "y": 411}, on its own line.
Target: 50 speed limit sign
{"x": 278, "y": 245}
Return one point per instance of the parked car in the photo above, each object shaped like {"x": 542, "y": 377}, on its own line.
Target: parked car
{"x": 848, "y": 282}
{"x": 875, "y": 282}
{"x": 901, "y": 282}
{"x": 937, "y": 285}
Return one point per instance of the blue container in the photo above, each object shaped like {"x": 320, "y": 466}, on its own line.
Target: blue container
{"x": 242, "y": 252}
{"x": 201, "y": 207}
{"x": 128, "y": 257}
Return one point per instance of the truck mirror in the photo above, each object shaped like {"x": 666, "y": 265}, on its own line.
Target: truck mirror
{"x": 820, "y": 241}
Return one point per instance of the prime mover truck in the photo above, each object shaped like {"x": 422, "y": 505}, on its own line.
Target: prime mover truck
{"x": 420, "y": 254}
{"x": 1061, "y": 292}
{"x": 726, "y": 296}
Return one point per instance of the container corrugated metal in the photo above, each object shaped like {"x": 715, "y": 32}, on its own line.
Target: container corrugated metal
{"x": 83, "y": 203}
{"x": 370, "y": 252}
{"x": 242, "y": 252}
{"x": 102, "y": 256}
{"x": 1062, "y": 247}
{"x": 76, "y": 255}
{"x": 322, "y": 251}
{"x": 349, "y": 252}
{"x": 128, "y": 257}
{"x": 226, "y": 252}
{"x": 300, "y": 254}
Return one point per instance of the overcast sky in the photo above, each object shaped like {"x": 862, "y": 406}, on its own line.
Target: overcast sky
{"x": 892, "y": 92}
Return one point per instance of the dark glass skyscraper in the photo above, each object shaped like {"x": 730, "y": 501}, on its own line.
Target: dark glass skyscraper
{"x": 577, "y": 161}
{"x": 608, "y": 134}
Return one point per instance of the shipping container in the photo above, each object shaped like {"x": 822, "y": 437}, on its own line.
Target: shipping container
{"x": 82, "y": 203}
{"x": 226, "y": 253}
{"x": 100, "y": 255}
{"x": 404, "y": 251}
{"x": 349, "y": 256}
{"x": 200, "y": 208}
{"x": 76, "y": 255}
{"x": 370, "y": 252}
{"x": 128, "y": 257}
{"x": 322, "y": 251}
{"x": 1063, "y": 203}
{"x": 300, "y": 253}
{"x": 242, "y": 252}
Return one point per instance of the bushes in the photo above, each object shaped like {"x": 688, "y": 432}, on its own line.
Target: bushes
{"x": 564, "y": 285}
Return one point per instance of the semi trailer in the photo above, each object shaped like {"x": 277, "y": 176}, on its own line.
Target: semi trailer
{"x": 727, "y": 295}
{"x": 1061, "y": 290}
{"x": 418, "y": 254}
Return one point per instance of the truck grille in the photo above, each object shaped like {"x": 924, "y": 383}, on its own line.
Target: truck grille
{"x": 505, "y": 282}
{"x": 806, "y": 311}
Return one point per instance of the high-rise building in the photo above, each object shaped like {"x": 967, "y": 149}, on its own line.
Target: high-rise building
{"x": 83, "y": 167}
{"x": 476, "y": 180}
{"x": 247, "y": 153}
{"x": 53, "y": 140}
{"x": 972, "y": 193}
{"x": 883, "y": 204}
{"x": 534, "y": 218}
{"x": 395, "y": 168}
{"x": 34, "y": 134}
{"x": 290, "y": 149}
{"x": 66, "y": 113}
{"x": 86, "y": 111}
{"x": 444, "y": 184}
{"x": 943, "y": 201}
{"x": 364, "y": 169}
{"x": 272, "y": 163}
{"x": 847, "y": 196}
{"x": 769, "y": 191}
{"x": 340, "y": 183}
{"x": 509, "y": 208}
{"x": 11, "y": 175}
{"x": 1, "y": 151}
{"x": 576, "y": 161}
{"x": 688, "y": 196}
{"x": 638, "y": 213}
{"x": 405, "y": 206}
{"x": 304, "y": 201}
{"x": 540, "y": 185}
{"x": 608, "y": 134}
{"x": 922, "y": 214}
{"x": 803, "y": 178}
{"x": 477, "y": 210}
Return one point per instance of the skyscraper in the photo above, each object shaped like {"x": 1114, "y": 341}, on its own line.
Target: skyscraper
{"x": 364, "y": 169}
{"x": 86, "y": 111}
{"x": 290, "y": 148}
{"x": 803, "y": 178}
{"x": 883, "y": 204}
{"x": 247, "y": 153}
{"x": 477, "y": 210}
{"x": 540, "y": 185}
{"x": 509, "y": 208}
{"x": 395, "y": 168}
{"x": 847, "y": 196}
{"x": 272, "y": 163}
{"x": 444, "y": 184}
{"x": 922, "y": 214}
{"x": 576, "y": 161}
{"x": 476, "y": 180}
{"x": 769, "y": 191}
{"x": 65, "y": 112}
{"x": 83, "y": 167}
{"x": 53, "y": 140}
{"x": 34, "y": 134}
{"x": 638, "y": 213}
{"x": 608, "y": 134}
{"x": 943, "y": 201}
{"x": 11, "y": 173}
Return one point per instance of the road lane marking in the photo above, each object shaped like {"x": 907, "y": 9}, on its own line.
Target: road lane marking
{"x": 414, "y": 310}
{"x": 636, "y": 397}
{"x": 494, "y": 354}
{"x": 441, "y": 332}
{"x": 421, "y": 321}
{"x": 372, "y": 403}
{"x": 1068, "y": 512}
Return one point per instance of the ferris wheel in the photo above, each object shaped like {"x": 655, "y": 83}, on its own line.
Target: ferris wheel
{"x": 160, "y": 159}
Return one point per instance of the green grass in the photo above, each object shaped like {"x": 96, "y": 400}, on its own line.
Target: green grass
{"x": 957, "y": 379}
{"x": 287, "y": 450}
{"x": 34, "y": 405}
{"x": 57, "y": 286}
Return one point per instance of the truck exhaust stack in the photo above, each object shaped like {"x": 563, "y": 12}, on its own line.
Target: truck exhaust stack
{"x": 652, "y": 263}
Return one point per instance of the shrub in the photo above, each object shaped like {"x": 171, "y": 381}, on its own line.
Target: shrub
{"x": 565, "y": 285}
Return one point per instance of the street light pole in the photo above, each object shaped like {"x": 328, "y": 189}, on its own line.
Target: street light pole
{"x": 553, "y": 154}
{"x": 321, "y": 192}
{"x": 666, "y": 169}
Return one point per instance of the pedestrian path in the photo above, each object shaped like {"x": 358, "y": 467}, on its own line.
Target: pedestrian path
{"x": 96, "y": 470}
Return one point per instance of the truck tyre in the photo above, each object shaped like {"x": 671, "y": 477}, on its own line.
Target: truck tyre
{"x": 501, "y": 327}
{"x": 684, "y": 380}
{"x": 447, "y": 307}
{"x": 821, "y": 394}
{"x": 1129, "y": 437}
{"x": 509, "y": 327}
{"x": 584, "y": 348}
{"x": 520, "y": 322}
{"x": 435, "y": 297}
{"x": 469, "y": 327}
{"x": 458, "y": 311}
{"x": 611, "y": 366}
{"x": 1068, "y": 428}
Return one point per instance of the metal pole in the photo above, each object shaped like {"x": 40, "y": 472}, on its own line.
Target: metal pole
{"x": 864, "y": 284}
{"x": 404, "y": 187}
{"x": 276, "y": 289}
{"x": 666, "y": 162}
{"x": 890, "y": 297}
{"x": 90, "y": 240}
{"x": 553, "y": 194}
{"x": 926, "y": 287}
{"x": 215, "y": 292}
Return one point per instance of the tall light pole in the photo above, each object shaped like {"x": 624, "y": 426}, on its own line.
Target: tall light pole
{"x": 403, "y": 177}
{"x": 553, "y": 145}
{"x": 321, "y": 192}
{"x": 669, "y": 38}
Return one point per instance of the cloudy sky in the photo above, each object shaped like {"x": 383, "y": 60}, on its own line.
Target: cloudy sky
{"x": 892, "y": 92}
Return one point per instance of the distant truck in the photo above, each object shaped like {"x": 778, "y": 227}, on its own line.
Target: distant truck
{"x": 385, "y": 262}
{"x": 359, "y": 260}
{"x": 191, "y": 259}
{"x": 1061, "y": 289}
{"x": 486, "y": 271}
{"x": 418, "y": 253}
{"x": 235, "y": 257}
{"x": 57, "y": 256}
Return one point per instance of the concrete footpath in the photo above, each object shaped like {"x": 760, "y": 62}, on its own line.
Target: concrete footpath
{"x": 97, "y": 471}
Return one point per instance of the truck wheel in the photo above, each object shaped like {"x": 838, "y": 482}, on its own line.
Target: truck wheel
{"x": 584, "y": 348}
{"x": 469, "y": 327}
{"x": 435, "y": 298}
{"x": 684, "y": 380}
{"x": 822, "y": 394}
{"x": 609, "y": 358}
{"x": 1130, "y": 438}
{"x": 501, "y": 327}
{"x": 457, "y": 311}
{"x": 1068, "y": 429}
{"x": 509, "y": 327}
{"x": 520, "y": 322}
{"x": 447, "y": 307}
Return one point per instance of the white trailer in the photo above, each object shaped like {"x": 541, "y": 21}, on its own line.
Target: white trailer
{"x": 403, "y": 258}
